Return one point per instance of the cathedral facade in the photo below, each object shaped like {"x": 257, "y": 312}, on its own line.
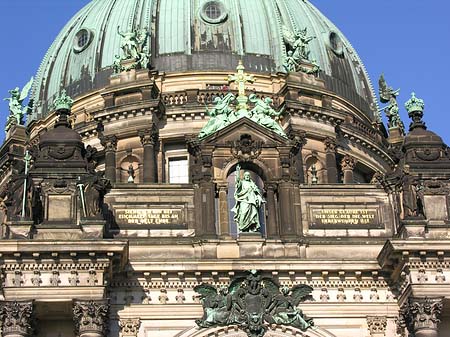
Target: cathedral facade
{"x": 218, "y": 168}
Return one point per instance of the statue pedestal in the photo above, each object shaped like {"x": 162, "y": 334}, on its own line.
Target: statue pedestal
{"x": 92, "y": 228}
{"x": 20, "y": 229}
{"x": 395, "y": 135}
{"x": 411, "y": 228}
{"x": 244, "y": 236}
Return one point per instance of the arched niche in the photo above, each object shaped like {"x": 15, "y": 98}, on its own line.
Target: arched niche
{"x": 313, "y": 161}
{"x": 124, "y": 168}
{"x": 258, "y": 176}
{"x": 273, "y": 331}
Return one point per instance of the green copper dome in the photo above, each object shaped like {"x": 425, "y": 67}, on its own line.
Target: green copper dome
{"x": 197, "y": 35}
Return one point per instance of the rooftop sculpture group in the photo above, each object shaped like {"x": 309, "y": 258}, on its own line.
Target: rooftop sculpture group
{"x": 16, "y": 109}
{"x": 134, "y": 47}
{"x": 223, "y": 114}
{"x": 253, "y": 302}
{"x": 298, "y": 53}
{"x": 389, "y": 95}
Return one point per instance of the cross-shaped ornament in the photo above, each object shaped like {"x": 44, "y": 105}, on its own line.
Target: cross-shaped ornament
{"x": 241, "y": 78}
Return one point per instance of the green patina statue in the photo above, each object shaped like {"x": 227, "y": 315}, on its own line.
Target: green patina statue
{"x": 248, "y": 203}
{"x": 16, "y": 109}
{"x": 222, "y": 114}
{"x": 389, "y": 95}
{"x": 298, "y": 53}
{"x": 252, "y": 302}
{"x": 134, "y": 47}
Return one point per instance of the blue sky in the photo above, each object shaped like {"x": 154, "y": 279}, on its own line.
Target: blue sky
{"x": 408, "y": 40}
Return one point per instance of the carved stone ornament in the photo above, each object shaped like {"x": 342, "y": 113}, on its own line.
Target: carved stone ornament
{"x": 421, "y": 313}
{"x": 330, "y": 144}
{"x": 348, "y": 163}
{"x": 129, "y": 327}
{"x": 16, "y": 318}
{"x": 252, "y": 303}
{"x": 149, "y": 136}
{"x": 377, "y": 325}
{"x": 109, "y": 143}
{"x": 90, "y": 316}
{"x": 246, "y": 148}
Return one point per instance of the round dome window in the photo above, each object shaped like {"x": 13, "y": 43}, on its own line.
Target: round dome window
{"x": 336, "y": 44}
{"x": 82, "y": 40}
{"x": 213, "y": 12}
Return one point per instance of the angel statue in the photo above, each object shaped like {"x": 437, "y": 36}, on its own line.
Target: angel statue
{"x": 248, "y": 203}
{"x": 264, "y": 114}
{"x": 134, "y": 47}
{"x": 129, "y": 44}
{"x": 220, "y": 116}
{"x": 298, "y": 43}
{"x": 284, "y": 310}
{"x": 389, "y": 95}
{"x": 16, "y": 108}
{"x": 216, "y": 304}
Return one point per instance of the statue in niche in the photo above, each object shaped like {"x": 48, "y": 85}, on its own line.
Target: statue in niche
{"x": 131, "y": 173}
{"x": 16, "y": 109}
{"x": 389, "y": 95}
{"x": 412, "y": 196}
{"x": 221, "y": 115}
{"x": 248, "y": 203}
{"x": 95, "y": 188}
{"x": 264, "y": 114}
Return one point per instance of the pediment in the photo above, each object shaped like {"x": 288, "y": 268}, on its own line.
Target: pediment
{"x": 245, "y": 126}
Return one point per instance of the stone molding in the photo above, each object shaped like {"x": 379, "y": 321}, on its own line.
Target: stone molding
{"x": 421, "y": 313}
{"x": 16, "y": 318}
{"x": 129, "y": 327}
{"x": 90, "y": 317}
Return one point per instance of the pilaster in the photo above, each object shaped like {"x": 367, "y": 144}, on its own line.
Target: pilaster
{"x": 330, "y": 159}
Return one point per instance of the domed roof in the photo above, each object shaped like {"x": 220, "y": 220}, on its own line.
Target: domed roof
{"x": 200, "y": 35}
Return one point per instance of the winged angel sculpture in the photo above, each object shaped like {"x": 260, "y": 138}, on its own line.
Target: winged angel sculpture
{"x": 16, "y": 109}
{"x": 253, "y": 302}
{"x": 389, "y": 95}
{"x": 298, "y": 52}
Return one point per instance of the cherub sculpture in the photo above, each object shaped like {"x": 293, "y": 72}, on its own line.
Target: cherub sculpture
{"x": 16, "y": 109}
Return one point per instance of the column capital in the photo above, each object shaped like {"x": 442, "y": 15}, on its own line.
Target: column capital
{"x": 149, "y": 136}
{"x": 330, "y": 144}
{"x": 421, "y": 313}
{"x": 377, "y": 325}
{"x": 348, "y": 163}
{"x": 16, "y": 318}
{"x": 129, "y": 327}
{"x": 90, "y": 317}
{"x": 109, "y": 143}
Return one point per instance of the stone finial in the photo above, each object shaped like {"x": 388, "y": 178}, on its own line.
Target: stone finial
{"x": 414, "y": 104}
{"x": 421, "y": 313}
{"x": 63, "y": 102}
{"x": 90, "y": 317}
{"x": 16, "y": 318}
{"x": 129, "y": 327}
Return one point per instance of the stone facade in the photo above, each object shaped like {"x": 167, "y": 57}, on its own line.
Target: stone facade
{"x": 124, "y": 211}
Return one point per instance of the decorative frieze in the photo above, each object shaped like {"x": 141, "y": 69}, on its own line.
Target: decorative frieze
{"x": 16, "y": 318}
{"x": 90, "y": 317}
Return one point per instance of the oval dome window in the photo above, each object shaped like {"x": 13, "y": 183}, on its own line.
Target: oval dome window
{"x": 82, "y": 40}
{"x": 213, "y": 12}
{"x": 336, "y": 44}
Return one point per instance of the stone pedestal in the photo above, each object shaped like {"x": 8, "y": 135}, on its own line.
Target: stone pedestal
{"x": 92, "y": 228}
{"x": 20, "y": 229}
{"x": 90, "y": 317}
{"x": 413, "y": 228}
{"x": 17, "y": 318}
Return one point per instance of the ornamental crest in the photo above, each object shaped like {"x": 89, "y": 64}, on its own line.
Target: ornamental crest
{"x": 252, "y": 303}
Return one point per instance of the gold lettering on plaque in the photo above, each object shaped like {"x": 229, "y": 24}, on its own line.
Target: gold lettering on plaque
{"x": 154, "y": 216}
{"x": 344, "y": 216}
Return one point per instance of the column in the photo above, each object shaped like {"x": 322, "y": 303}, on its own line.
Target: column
{"x": 377, "y": 326}
{"x": 149, "y": 138}
{"x": 330, "y": 160}
{"x": 271, "y": 225}
{"x": 90, "y": 317}
{"x": 348, "y": 165}
{"x": 285, "y": 201}
{"x": 110, "y": 145}
{"x": 224, "y": 218}
{"x": 16, "y": 318}
{"x": 421, "y": 316}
